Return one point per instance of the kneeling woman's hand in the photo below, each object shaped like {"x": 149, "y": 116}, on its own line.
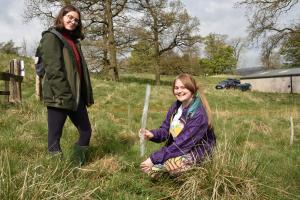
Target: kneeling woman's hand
{"x": 146, "y": 165}
{"x": 147, "y": 134}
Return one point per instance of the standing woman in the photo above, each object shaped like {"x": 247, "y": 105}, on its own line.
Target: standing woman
{"x": 187, "y": 130}
{"x": 66, "y": 86}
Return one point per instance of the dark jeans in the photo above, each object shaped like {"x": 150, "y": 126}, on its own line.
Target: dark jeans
{"x": 56, "y": 120}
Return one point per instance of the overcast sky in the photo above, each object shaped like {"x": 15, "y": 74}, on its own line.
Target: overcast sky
{"x": 216, "y": 16}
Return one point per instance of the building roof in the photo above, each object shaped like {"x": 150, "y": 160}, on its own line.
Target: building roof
{"x": 274, "y": 73}
{"x": 245, "y": 71}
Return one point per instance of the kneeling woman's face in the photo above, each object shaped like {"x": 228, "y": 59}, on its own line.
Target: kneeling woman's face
{"x": 71, "y": 20}
{"x": 182, "y": 94}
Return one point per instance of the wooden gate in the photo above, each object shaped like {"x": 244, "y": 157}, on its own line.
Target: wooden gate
{"x": 12, "y": 81}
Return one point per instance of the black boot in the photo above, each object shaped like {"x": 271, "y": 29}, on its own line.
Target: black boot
{"x": 78, "y": 155}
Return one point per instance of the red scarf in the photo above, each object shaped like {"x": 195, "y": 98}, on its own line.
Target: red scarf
{"x": 75, "y": 52}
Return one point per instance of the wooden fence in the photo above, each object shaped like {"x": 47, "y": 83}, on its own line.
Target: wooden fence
{"x": 12, "y": 81}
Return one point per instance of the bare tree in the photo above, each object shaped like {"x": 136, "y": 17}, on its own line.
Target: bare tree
{"x": 99, "y": 23}
{"x": 44, "y": 10}
{"x": 24, "y": 50}
{"x": 265, "y": 22}
{"x": 112, "y": 10}
{"x": 166, "y": 25}
{"x": 237, "y": 45}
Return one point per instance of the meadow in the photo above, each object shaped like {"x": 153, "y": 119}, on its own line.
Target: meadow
{"x": 253, "y": 158}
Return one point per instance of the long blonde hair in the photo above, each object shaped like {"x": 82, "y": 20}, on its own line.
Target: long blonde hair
{"x": 190, "y": 83}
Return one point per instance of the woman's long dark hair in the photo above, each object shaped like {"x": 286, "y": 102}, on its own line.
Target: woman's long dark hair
{"x": 59, "y": 23}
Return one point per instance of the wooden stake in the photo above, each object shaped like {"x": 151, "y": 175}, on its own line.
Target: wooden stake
{"x": 38, "y": 88}
{"x": 38, "y": 84}
{"x": 22, "y": 68}
{"x": 292, "y": 131}
{"x": 6, "y": 88}
{"x": 12, "y": 82}
{"x": 18, "y": 67}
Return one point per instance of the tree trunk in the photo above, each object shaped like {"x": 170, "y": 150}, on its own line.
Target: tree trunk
{"x": 112, "y": 50}
{"x": 157, "y": 70}
{"x": 157, "y": 56}
{"x": 105, "y": 60}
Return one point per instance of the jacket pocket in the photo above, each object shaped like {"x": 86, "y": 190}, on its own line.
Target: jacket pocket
{"x": 48, "y": 94}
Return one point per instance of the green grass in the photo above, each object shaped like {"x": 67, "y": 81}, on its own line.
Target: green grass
{"x": 253, "y": 159}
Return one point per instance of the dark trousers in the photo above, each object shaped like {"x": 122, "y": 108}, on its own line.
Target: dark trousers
{"x": 56, "y": 120}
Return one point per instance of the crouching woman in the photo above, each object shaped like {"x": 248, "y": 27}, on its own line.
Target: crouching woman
{"x": 186, "y": 129}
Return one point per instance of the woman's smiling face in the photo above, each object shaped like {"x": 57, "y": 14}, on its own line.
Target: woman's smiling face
{"x": 71, "y": 20}
{"x": 182, "y": 94}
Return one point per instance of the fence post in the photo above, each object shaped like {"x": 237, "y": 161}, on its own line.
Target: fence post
{"x": 6, "y": 88}
{"x": 14, "y": 85}
{"x": 4, "y": 76}
{"x": 38, "y": 84}
{"x": 19, "y": 83}
{"x": 11, "y": 82}
{"x": 38, "y": 88}
{"x": 22, "y": 68}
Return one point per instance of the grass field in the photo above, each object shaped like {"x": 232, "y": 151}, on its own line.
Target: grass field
{"x": 253, "y": 158}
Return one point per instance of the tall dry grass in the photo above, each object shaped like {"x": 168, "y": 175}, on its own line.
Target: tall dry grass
{"x": 253, "y": 159}
{"x": 42, "y": 181}
{"x": 225, "y": 176}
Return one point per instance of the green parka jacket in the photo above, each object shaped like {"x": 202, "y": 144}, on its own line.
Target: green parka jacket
{"x": 62, "y": 87}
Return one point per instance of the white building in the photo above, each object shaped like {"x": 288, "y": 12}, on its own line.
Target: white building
{"x": 280, "y": 80}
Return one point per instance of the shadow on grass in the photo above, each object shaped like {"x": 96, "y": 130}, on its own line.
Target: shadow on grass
{"x": 143, "y": 80}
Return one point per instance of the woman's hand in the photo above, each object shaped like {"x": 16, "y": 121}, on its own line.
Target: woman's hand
{"x": 147, "y": 134}
{"x": 146, "y": 165}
